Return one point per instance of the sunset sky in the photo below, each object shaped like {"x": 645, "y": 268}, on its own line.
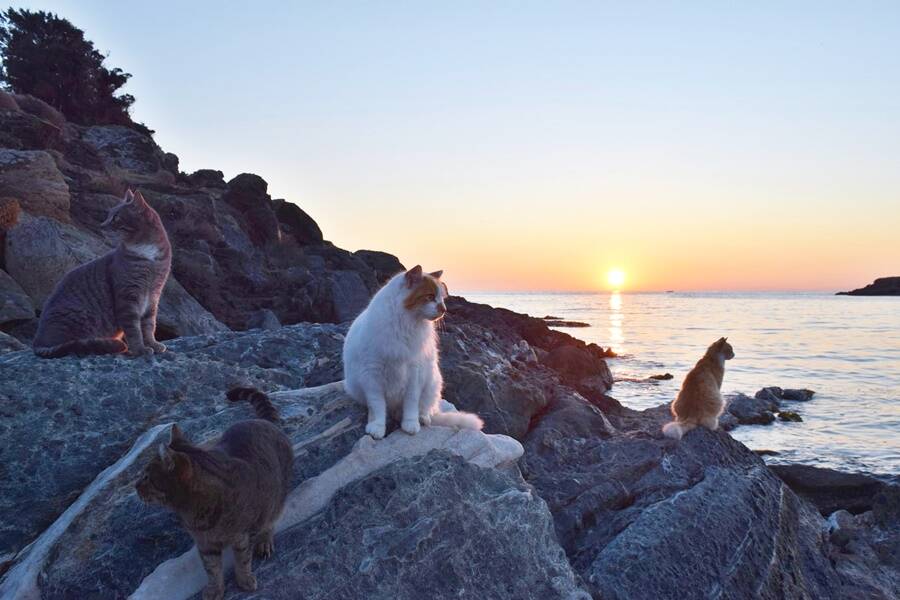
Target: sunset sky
{"x": 537, "y": 145}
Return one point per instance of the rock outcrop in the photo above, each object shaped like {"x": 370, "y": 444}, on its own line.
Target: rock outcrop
{"x": 883, "y": 286}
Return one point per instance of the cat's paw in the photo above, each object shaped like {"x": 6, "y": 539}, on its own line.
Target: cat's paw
{"x": 264, "y": 548}
{"x": 213, "y": 592}
{"x": 375, "y": 429}
{"x": 425, "y": 420}
{"x": 157, "y": 347}
{"x": 410, "y": 426}
{"x": 142, "y": 351}
{"x": 246, "y": 582}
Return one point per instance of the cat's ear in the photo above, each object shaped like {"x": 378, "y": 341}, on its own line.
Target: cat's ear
{"x": 139, "y": 199}
{"x": 436, "y": 274}
{"x": 724, "y": 339}
{"x": 176, "y": 435}
{"x": 129, "y": 196}
{"x": 414, "y": 276}
{"x": 167, "y": 456}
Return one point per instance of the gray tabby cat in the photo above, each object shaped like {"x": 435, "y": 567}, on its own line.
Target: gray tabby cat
{"x": 118, "y": 293}
{"x": 228, "y": 492}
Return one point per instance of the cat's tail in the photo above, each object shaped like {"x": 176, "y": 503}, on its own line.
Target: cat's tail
{"x": 261, "y": 404}
{"x": 676, "y": 429}
{"x": 458, "y": 420}
{"x": 82, "y": 348}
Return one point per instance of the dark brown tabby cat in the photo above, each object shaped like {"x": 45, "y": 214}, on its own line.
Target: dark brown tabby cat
{"x": 117, "y": 294}
{"x": 228, "y": 492}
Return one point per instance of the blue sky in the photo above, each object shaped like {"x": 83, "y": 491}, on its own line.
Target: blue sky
{"x": 536, "y": 145}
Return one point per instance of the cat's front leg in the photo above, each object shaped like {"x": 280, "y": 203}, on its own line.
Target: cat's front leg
{"x": 148, "y": 331}
{"x": 377, "y": 424}
{"x": 410, "y": 422}
{"x": 243, "y": 564}
{"x": 212, "y": 563}
{"x": 129, "y": 319}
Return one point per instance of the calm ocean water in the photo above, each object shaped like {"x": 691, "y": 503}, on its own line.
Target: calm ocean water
{"x": 847, "y": 349}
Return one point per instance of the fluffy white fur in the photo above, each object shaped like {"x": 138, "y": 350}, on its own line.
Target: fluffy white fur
{"x": 391, "y": 359}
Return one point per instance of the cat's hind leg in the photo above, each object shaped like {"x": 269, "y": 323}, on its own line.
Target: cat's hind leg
{"x": 264, "y": 543}
{"x": 243, "y": 564}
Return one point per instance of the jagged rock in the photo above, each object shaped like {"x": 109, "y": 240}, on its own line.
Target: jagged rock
{"x": 831, "y": 490}
{"x": 248, "y": 194}
{"x": 15, "y": 305}
{"x": 297, "y": 223}
{"x": 128, "y": 154}
{"x": 776, "y": 394}
{"x": 209, "y": 178}
{"x": 31, "y": 176}
{"x": 751, "y": 411}
{"x": 797, "y": 395}
{"x": 40, "y": 250}
{"x": 385, "y": 265}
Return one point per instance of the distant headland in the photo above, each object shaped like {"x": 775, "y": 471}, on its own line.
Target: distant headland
{"x": 883, "y": 286}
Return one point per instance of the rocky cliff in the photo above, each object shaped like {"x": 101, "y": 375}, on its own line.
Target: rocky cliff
{"x": 566, "y": 494}
{"x": 883, "y": 286}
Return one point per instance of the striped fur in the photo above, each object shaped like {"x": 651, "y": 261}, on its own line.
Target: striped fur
{"x": 83, "y": 348}
{"x": 261, "y": 404}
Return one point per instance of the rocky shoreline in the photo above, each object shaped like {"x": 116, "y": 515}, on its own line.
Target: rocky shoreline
{"x": 566, "y": 494}
{"x": 883, "y": 286}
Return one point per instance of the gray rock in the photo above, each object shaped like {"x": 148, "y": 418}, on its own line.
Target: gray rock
{"x": 751, "y": 411}
{"x": 385, "y": 265}
{"x": 31, "y": 176}
{"x": 427, "y": 527}
{"x": 831, "y": 490}
{"x": 297, "y": 223}
{"x": 40, "y": 250}
{"x": 801, "y": 395}
{"x": 15, "y": 304}
{"x": 349, "y": 295}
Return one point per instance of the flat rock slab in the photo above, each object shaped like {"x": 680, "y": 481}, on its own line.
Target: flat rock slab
{"x": 831, "y": 490}
{"x": 432, "y": 526}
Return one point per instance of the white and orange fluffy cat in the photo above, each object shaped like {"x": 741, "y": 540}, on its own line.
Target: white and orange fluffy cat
{"x": 700, "y": 400}
{"x": 391, "y": 356}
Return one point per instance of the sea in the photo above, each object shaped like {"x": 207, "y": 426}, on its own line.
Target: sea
{"x": 845, "y": 348}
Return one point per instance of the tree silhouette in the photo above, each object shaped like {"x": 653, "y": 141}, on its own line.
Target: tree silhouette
{"x": 48, "y": 57}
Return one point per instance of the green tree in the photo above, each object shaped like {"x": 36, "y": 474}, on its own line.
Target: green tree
{"x": 48, "y": 57}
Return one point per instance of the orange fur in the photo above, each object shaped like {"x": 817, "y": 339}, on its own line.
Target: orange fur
{"x": 422, "y": 293}
{"x": 700, "y": 400}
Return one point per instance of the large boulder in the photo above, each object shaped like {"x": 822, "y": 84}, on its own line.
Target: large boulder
{"x": 349, "y": 295}
{"x": 23, "y": 131}
{"x": 248, "y": 194}
{"x": 297, "y": 223}
{"x": 31, "y": 176}
{"x": 385, "y": 265}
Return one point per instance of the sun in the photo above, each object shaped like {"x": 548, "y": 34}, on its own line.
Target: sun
{"x": 616, "y": 278}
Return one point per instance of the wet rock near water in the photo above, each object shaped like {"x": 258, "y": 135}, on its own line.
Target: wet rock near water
{"x": 831, "y": 490}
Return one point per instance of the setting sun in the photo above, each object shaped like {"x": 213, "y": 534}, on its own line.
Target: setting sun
{"x": 616, "y": 278}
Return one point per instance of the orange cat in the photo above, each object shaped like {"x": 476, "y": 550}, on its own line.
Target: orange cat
{"x": 700, "y": 402}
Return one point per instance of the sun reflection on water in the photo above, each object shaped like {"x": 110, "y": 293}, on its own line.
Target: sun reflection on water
{"x": 616, "y": 318}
